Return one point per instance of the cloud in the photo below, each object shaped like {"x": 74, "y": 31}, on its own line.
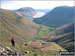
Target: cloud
{"x": 35, "y": 4}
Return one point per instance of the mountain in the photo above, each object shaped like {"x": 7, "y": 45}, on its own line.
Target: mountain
{"x": 13, "y": 25}
{"x": 65, "y": 29}
{"x": 30, "y": 12}
{"x": 57, "y": 17}
{"x": 25, "y": 12}
{"x": 63, "y": 36}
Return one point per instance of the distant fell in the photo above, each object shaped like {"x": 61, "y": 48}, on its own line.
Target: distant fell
{"x": 57, "y": 17}
{"x": 25, "y": 12}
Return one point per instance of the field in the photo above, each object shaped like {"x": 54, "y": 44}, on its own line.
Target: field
{"x": 44, "y": 30}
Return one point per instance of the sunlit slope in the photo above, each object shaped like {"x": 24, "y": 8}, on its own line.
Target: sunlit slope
{"x": 50, "y": 47}
{"x": 45, "y": 46}
{"x": 12, "y": 25}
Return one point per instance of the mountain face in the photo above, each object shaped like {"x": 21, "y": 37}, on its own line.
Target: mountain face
{"x": 68, "y": 28}
{"x": 12, "y": 25}
{"x": 66, "y": 39}
{"x": 57, "y": 17}
{"x": 65, "y": 36}
{"x": 26, "y": 12}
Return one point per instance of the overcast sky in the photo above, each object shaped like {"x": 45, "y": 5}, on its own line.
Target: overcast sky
{"x": 11, "y": 5}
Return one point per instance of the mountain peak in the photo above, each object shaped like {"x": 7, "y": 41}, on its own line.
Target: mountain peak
{"x": 26, "y": 12}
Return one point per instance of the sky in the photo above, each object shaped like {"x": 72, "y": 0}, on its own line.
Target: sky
{"x": 12, "y": 5}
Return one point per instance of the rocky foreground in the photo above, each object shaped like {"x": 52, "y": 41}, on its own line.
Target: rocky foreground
{"x": 8, "y": 51}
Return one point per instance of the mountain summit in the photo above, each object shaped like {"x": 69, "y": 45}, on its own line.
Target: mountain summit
{"x": 26, "y": 12}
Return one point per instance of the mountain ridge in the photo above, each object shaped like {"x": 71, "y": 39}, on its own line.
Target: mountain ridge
{"x": 62, "y": 15}
{"x": 26, "y": 12}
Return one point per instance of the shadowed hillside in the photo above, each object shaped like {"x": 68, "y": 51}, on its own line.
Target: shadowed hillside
{"x": 12, "y": 25}
{"x": 64, "y": 36}
{"x": 57, "y": 17}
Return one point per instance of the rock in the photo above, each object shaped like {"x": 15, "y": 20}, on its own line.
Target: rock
{"x": 27, "y": 52}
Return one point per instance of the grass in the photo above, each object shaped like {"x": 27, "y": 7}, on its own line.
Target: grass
{"x": 12, "y": 25}
{"x": 44, "y": 30}
{"x": 21, "y": 49}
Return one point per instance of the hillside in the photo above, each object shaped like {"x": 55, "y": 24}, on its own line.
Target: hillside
{"x": 63, "y": 36}
{"x": 12, "y": 25}
{"x": 67, "y": 28}
{"x": 26, "y": 12}
{"x": 57, "y": 17}
{"x": 45, "y": 46}
{"x": 66, "y": 37}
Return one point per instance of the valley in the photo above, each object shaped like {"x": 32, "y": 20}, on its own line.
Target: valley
{"x": 41, "y": 36}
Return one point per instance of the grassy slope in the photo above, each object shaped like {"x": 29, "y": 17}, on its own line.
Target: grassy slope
{"x": 44, "y": 30}
{"x": 48, "y": 49}
{"x": 64, "y": 36}
{"x": 12, "y": 25}
{"x": 66, "y": 41}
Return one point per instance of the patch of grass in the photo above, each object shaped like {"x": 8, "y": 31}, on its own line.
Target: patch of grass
{"x": 44, "y": 30}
